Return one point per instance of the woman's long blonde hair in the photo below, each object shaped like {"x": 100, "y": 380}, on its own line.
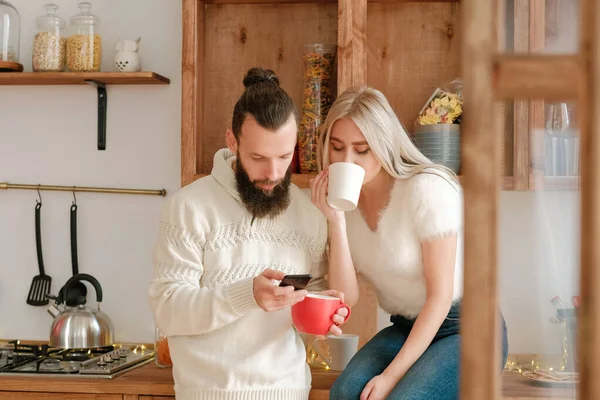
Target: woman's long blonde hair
{"x": 369, "y": 109}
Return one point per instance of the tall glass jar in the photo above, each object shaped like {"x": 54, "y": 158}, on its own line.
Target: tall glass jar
{"x": 84, "y": 44}
{"x": 10, "y": 32}
{"x": 162, "y": 355}
{"x": 49, "y": 43}
{"x": 319, "y": 60}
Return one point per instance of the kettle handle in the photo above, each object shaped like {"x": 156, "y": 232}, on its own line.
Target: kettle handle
{"x": 82, "y": 277}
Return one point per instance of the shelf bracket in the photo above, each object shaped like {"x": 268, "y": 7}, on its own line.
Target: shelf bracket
{"x": 102, "y": 105}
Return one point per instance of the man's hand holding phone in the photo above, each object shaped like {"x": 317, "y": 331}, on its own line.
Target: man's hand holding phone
{"x": 274, "y": 298}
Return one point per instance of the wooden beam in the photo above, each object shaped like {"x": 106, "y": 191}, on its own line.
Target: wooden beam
{"x": 551, "y": 77}
{"x": 267, "y": 1}
{"x": 319, "y": 1}
{"x": 564, "y": 183}
{"x": 352, "y": 43}
{"x": 352, "y": 71}
{"x": 480, "y": 366}
{"x": 191, "y": 98}
{"x": 537, "y": 116}
{"x": 414, "y": 1}
{"x": 589, "y": 79}
{"x": 500, "y": 107}
{"x": 521, "y": 107}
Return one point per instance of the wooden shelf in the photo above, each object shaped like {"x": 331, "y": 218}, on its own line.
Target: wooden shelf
{"x": 319, "y": 1}
{"x": 97, "y": 79}
{"x": 300, "y": 180}
{"x": 303, "y": 181}
{"x": 565, "y": 183}
{"x": 82, "y": 78}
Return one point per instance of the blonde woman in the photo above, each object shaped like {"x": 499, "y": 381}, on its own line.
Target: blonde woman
{"x": 405, "y": 238}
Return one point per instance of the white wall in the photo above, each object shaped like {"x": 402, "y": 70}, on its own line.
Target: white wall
{"x": 538, "y": 259}
{"x": 48, "y": 135}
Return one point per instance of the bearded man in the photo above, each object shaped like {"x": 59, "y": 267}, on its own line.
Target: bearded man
{"x": 225, "y": 241}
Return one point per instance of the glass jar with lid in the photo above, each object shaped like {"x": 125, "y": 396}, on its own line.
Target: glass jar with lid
{"x": 318, "y": 98}
{"x": 84, "y": 44}
{"x": 49, "y": 42}
{"x": 10, "y": 32}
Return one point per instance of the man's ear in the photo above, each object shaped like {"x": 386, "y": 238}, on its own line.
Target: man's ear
{"x": 231, "y": 141}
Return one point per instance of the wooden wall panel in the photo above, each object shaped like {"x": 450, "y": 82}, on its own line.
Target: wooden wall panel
{"x": 412, "y": 49}
{"x": 240, "y": 36}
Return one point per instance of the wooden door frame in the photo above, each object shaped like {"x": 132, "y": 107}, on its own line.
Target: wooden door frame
{"x": 489, "y": 78}
{"x": 481, "y": 135}
{"x": 589, "y": 103}
{"x": 192, "y": 99}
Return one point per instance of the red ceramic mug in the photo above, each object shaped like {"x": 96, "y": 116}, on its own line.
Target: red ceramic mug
{"x": 314, "y": 314}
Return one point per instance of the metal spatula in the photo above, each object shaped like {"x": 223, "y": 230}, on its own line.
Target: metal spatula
{"x": 40, "y": 285}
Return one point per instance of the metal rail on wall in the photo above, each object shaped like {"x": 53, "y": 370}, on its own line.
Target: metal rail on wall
{"x": 148, "y": 192}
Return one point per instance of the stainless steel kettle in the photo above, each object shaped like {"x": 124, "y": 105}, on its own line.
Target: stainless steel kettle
{"x": 80, "y": 327}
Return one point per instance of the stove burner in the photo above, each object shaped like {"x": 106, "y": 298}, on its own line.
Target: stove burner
{"x": 101, "y": 362}
{"x": 50, "y": 364}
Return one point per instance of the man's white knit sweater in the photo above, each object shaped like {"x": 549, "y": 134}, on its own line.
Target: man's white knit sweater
{"x": 223, "y": 345}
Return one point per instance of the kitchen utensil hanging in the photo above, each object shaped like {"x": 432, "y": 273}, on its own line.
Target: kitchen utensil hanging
{"x": 78, "y": 288}
{"x": 41, "y": 284}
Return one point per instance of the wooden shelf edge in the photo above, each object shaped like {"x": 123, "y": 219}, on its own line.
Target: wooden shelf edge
{"x": 303, "y": 180}
{"x": 300, "y": 180}
{"x": 508, "y": 183}
{"x": 80, "y": 78}
{"x": 528, "y": 76}
{"x": 561, "y": 183}
{"x": 319, "y": 1}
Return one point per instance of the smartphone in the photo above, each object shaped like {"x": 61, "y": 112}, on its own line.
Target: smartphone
{"x": 299, "y": 282}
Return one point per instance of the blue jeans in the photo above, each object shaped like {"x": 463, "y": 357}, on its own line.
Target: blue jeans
{"x": 435, "y": 375}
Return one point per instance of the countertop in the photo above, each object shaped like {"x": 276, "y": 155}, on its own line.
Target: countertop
{"x": 153, "y": 381}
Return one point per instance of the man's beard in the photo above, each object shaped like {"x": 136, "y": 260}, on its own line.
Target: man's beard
{"x": 261, "y": 203}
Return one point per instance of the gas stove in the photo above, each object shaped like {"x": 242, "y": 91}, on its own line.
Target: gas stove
{"x": 103, "y": 362}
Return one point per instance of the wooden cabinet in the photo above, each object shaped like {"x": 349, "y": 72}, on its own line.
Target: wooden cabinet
{"x": 404, "y": 48}
{"x": 152, "y": 383}
{"x": 535, "y": 27}
{"x": 59, "y": 396}
{"x": 153, "y": 398}
{"x": 221, "y": 41}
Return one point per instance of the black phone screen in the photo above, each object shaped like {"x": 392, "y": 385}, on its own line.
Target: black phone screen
{"x": 299, "y": 282}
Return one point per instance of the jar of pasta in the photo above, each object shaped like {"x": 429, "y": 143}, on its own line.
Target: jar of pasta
{"x": 84, "y": 44}
{"x": 162, "y": 356}
{"x": 319, "y": 61}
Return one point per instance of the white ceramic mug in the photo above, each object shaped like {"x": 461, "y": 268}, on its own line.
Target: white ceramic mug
{"x": 341, "y": 350}
{"x": 345, "y": 181}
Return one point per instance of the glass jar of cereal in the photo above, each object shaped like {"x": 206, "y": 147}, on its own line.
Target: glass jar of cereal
{"x": 49, "y": 43}
{"x": 84, "y": 44}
